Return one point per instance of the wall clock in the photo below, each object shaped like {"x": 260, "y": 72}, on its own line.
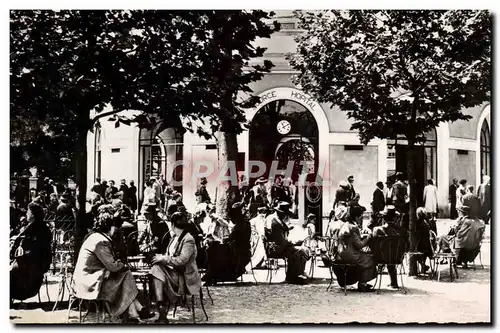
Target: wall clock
{"x": 283, "y": 127}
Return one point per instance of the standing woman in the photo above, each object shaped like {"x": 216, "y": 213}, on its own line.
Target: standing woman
{"x": 99, "y": 275}
{"x": 30, "y": 254}
{"x": 430, "y": 198}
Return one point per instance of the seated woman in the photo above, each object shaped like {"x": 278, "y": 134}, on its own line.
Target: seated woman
{"x": 30, "y": 254}
{"x": 176, "y": 270}
{"x": 257, "y": 225}
{"x": 227, "y": 260}
{"x": 195, "y": 230}
{"x": 423, "y": 240}
{"x": 350, "y": 251}
{"x": 100, "y": 276}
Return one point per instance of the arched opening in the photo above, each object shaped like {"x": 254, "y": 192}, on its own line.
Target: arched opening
{"x": 426, "y": 156}
{"x": 285, "y": 132}
{"x": 485, "y": 149}
{"x": 159, "y": 151}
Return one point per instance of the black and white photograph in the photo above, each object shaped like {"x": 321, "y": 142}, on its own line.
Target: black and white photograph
{"x": 202, "y": 167}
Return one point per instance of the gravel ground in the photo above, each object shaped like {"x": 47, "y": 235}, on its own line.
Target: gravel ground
{"x": 461, "y": 301}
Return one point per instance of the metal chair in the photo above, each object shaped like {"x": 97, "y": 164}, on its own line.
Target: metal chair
{"x": 450, "y": 257}
{"x": 331, "y": 252}
{"x": 481, "y": 236}
{"x": 391, "y": 253}
{"x": 98, "y": 304}
{"x": 272, "y": 262}
{"x": 192, "y": 306}
{"x": 312, "y": 245}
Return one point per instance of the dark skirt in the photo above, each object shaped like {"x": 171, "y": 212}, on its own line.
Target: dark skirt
{"x": 225, "y": 262}
{"x": 26, "y": 277}
{"x": 465, "y": 255}
{"x": 363, "y": 270}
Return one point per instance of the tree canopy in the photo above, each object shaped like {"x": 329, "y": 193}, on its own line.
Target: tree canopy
{"x": 396, "y": 72}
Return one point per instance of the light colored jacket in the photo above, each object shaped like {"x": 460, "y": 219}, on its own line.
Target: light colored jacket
{"x": 95, "y": 262}
{"x": 468, "y": 233}
{"x": 184, "y": 259}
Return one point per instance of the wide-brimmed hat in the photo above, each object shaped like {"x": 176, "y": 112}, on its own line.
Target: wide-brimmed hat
{"x": 282, "y": 207}
{"x": 389, "y": 211}
{"x": 464, "y": 209}
{"x": 261, "y": 180}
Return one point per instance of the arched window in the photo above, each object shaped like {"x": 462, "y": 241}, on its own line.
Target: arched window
{"x": 97, "y": 152}
{"x": 485, "y": 149}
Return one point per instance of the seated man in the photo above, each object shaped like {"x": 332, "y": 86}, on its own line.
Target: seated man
{"x": 350, "y": 251}
{"x": 390, "y": 228}
{"x": 469, "y": 232}
{"x": 280, "y": 246}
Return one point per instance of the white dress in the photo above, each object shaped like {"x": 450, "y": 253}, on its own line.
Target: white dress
{"x": 430, "y": 199}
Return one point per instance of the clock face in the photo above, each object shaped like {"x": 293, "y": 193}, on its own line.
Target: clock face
{"x": 284, "y": 127}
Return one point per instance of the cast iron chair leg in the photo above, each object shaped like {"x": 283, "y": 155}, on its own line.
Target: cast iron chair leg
{"x": 175, "y": 309}
{"x": 380, "y": 271}
{"x": 330, "y": 268}
{"x": 253, "y": 273}
{"x": 345, "y": 281}
{"x": 192, "y": 305}
{"x": 70, "y": 304}
{"x": 60, "y": 291}
{"x": 47, "y": 288}
{"x": 455, "y": 268}
{"x": 80, "y": 311}
{"x": 402, "y": 284}
{"x": 438, "y": 270}
{"x": 480, "y": 259}
{"x": 202, "y": 305}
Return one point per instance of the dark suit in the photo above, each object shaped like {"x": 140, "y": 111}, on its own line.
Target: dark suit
{"x": 390, "y": 230}
{"x": 484, "y": 194}
{"x": 284, "y": 248}
{"x": 378, "y": 202}
{"x": 453, "y": 200}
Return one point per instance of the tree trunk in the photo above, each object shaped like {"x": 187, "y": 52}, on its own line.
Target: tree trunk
{"x": 80, "y": 157}
{"x": 227, "y": 190}
{"x": 412, "y": 231}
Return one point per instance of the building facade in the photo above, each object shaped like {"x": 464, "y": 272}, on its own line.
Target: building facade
{"x": 290, "y": 126}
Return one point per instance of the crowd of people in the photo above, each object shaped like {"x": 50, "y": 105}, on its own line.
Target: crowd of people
{"x": 178, "y": 244}
{"x": 355, "y": 244}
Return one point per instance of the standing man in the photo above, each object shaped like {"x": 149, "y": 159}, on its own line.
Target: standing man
{"x": 388, "y": 191}
{"x": 133, "y": 196}
{"x": 472, "y": 201}
{"x": 202, "y": 195}
{"x": 259, "y": 197}
{"x": 452, "y": 197}
{"x": 484, "y": 194}
{"x": 125, "y": 196}
{"x": 461, "y": 191}
{"x": 111, "y": 191}
{"x": 378, "y": 204}
{"x": 399, "y": 193}
{"x": 351, "y": 192}
{"x": 157, "y": 189}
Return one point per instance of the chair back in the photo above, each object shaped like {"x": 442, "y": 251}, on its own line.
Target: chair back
{"x": 131, "y": 243}
{"x": 164, "y": 242}
{"x": 392, "y": 250}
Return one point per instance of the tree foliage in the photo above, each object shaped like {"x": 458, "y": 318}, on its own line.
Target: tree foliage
{"x": 167, "y": 64}
{"x": 396, "y": 72}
